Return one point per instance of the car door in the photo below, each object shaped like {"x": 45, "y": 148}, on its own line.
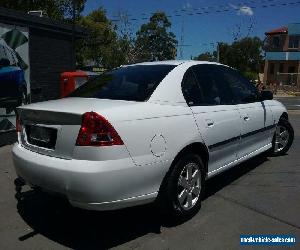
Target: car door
{"x": 216, "y": 116}
{"x": 256, "y": 117}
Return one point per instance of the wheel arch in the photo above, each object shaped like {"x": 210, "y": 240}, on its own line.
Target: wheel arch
{"x": 195, "y": 147}
{"x": 285, "y": 116}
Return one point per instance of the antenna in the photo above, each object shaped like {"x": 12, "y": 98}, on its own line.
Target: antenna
{"x": 181, "y": 39}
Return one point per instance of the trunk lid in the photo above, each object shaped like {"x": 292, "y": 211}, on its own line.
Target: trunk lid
{"x": 52, "y": 127}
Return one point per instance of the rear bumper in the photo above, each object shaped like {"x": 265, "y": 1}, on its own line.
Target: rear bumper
{"x": 95, "y": 185}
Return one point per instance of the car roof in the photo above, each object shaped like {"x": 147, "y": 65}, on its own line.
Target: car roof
{"x": 172, "y": 62}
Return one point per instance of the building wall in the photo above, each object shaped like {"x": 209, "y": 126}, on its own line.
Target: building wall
{"x": 50, "y": 55}
{"x": 277, "y": 77}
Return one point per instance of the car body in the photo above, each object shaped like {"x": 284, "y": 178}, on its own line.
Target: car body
{"x": 151, "y": 131}
{"x": 12, "y": 80}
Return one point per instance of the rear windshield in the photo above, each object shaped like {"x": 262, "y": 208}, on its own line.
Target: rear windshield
{"x": 132, "y": 83}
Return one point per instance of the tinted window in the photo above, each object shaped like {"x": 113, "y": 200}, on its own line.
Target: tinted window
{"x": 213, "y": 88}
{"x": 243, "y": 90}
{"x": 132, "y": 83}
{"x": 191, "y": 90}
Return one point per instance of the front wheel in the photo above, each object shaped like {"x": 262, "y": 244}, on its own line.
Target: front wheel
{"x": 283, "y": 138}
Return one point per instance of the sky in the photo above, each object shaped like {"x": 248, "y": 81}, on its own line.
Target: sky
{"x": 198, "y": 31}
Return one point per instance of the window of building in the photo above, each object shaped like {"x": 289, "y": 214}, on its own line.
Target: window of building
{"x": 292, "y": 69}
{"x": 272, "y": 68}
{"x": 275, "y": 42}
{"x": 293, "y": 42}
{"x": 281, "y": 68}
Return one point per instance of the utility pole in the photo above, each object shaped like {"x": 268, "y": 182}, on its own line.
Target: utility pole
{"x": 181, "y": 39}
{"x": 218, "y": 52}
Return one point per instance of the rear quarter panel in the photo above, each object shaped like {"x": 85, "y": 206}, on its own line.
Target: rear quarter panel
{"x": 157, "y": 132}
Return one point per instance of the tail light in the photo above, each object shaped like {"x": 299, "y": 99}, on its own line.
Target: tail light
{"x": 97, "y": 131}
{"x": 18, "y": 124}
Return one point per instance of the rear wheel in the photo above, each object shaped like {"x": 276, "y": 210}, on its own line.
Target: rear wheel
{"x": 184, "y": 187}
{"x": 283, "y": 138}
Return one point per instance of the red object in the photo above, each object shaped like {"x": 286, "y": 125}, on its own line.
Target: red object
{"x": 281, "y": 30}
{"x": 18, "y": 124}
{"x": 69, "y": 81}
{"x": 97, "y": 131}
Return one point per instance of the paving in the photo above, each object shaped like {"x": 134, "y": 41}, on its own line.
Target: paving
{"x": 260, "y": 196}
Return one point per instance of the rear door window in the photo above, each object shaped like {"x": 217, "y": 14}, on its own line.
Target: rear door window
{"x": 191, "y": 89}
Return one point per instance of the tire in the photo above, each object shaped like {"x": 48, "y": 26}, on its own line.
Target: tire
{"x": 283, "y": 138}
{"x": 180, "y": 200}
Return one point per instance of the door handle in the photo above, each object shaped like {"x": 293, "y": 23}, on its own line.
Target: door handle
{"x": 210, "y": 123}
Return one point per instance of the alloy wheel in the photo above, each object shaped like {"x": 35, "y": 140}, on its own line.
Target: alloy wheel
{"x": 189, "y": 186}
{"x": 281, "y": 138}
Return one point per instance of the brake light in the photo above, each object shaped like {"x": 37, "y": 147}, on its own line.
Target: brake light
{"x": 18, "y": 124}
{"x": 97, "y": 131}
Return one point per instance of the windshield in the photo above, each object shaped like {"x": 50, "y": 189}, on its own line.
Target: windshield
{"x": 132, "y": 83}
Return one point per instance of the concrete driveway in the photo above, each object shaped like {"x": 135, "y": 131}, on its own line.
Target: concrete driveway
{"x": 260, "y": 196}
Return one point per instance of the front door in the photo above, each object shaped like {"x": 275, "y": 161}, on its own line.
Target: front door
{"x": 256, "y": 118}
{"x": 216, "y": 115}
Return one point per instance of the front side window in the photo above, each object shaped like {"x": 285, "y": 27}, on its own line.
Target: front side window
{"x": 243, "y": 90}
{"x": 215, "y": 91}
{"x": 131, "y": 83}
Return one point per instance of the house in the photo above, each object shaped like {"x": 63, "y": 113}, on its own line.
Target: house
{"x": 282, "y": 56}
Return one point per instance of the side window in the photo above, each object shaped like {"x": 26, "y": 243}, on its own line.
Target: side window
{"x": 243, "y": 90}
{"x": 215, "y": 90}
{"x": 190, "y": 89}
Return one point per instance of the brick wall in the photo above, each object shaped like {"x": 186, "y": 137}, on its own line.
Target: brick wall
{"x": 50, "y": 54}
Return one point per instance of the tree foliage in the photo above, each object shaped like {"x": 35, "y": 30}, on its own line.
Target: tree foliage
{"x": 244, "y": 55}
{"x": 55, "y": 9}
{"x": 207, "y": 56}
{"x": 102, "y": 46}
{"x": 154, "y": 41}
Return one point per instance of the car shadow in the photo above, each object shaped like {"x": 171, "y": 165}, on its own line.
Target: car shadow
{"x": 75, "y": 228}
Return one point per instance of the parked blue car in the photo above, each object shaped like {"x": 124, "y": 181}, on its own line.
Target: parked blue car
{"x": 13, "y": 88}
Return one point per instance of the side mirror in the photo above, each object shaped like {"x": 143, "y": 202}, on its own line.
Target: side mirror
{"x": 4, "y": 62}
{"x": 266, "y": 95}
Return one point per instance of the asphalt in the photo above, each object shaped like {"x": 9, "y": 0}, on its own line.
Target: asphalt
{"x": 260, "y": 196}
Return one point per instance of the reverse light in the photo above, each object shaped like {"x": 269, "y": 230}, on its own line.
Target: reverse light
{"x": 97, "y": 131}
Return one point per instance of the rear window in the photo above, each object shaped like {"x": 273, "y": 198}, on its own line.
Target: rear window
{"x": 132, "y": 83}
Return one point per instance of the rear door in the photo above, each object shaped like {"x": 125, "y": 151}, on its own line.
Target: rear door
{"x": 256, "y": 116}
{"x": 216, "y": 115}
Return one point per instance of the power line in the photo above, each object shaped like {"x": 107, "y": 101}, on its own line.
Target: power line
{"x": 218, "y": 9}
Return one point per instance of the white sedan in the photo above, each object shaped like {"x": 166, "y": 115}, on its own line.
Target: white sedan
{"x": 147, "y": 132}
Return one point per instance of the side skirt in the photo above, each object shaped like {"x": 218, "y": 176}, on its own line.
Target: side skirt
{"x": 237, "y": 161}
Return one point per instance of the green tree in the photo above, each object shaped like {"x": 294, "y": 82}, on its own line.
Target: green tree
{"x": 55, "y": 9}
{"x": 207, "y": 56}
{"x": 102, "y": 46}
{"x": 154, "y": 41}
{"x": 244, "y": 55}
